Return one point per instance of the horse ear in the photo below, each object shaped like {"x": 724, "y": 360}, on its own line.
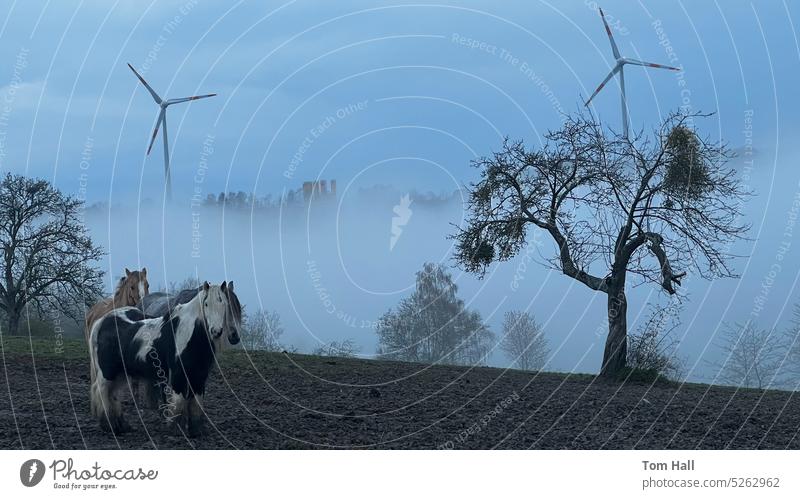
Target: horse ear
{"x": 205, "y": 286}
{"x": 144, "y": 270}
{"x": 230, "y": 285}
{"x": 223, "y": 286}
{"x": 127, "y": 272}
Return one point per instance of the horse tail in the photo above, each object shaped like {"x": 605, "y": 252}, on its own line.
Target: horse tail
{"x": 88, "y": 337}
{"x": 92, "y": 329}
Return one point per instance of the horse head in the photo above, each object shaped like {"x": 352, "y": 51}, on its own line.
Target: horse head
{"x": 213, "y": 308}
{"x": 132, "y": 288}
{"x": 233, "y": 316}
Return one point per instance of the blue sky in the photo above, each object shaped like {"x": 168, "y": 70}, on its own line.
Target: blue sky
{"x": 282, "y": 68}
{"x": 397, "y": 92}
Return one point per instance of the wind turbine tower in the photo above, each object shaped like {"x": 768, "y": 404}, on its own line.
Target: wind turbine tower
{"x": 162, "y": 122}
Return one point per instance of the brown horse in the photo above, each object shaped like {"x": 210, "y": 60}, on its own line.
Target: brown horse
{"x": 130, "y": 291}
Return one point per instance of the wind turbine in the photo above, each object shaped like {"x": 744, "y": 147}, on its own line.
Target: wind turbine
{"x": 618, "y": 68}
{"x": 162, "y": 120}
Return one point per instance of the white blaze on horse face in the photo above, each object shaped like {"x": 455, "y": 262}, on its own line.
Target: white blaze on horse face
{"x": 141, "y": 289}
{"x": 215, "y": 306}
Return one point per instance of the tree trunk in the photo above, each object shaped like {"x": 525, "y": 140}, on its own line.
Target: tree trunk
{"x": 616, "y": 351}
{"x": 13, "y": 322}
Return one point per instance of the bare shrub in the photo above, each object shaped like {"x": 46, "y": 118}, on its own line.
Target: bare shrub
{"x": 344, "y": 348}
{"x": 524, "y": 341}
{"x": 262, "y": 331}
{"x": 653, "y": 348}
{"x": 751, "y": 357}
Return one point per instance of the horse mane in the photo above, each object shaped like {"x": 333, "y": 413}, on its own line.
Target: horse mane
{"x": 121, "y": 295}
{"x": 120, "y": 286}
{"x": 118, "y": 299}
{"x": 178, "y": 306}
{"x": 234, "y": 304}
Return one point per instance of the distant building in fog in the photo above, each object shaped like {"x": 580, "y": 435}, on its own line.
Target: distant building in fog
{"x": 318, "y": 189}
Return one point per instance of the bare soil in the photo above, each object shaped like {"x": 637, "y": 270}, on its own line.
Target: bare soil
{"x": 279, "y": 401}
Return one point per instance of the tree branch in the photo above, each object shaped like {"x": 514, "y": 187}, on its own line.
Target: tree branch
{"x": 668, "y": 277}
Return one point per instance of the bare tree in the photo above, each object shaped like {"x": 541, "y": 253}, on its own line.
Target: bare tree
{"x": 523, "y": 341}
{"x": 433, "y": 325}
{"x": 190, "y": 282}
{"x": 262, "y": 331}
{"x": 47, "y": 253}
{"x": 344, "y": 348}
{"x": 751, "y": 357}
{"x": 652, "y": 208}
{"x": 652, "y": 347}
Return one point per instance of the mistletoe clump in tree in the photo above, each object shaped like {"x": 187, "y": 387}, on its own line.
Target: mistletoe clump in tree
{"x": 652, "y": 208}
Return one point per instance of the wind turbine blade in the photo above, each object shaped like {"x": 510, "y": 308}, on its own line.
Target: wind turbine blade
{"x": 624, "y": 102}
{"x": 167, "y": 173}
{"x": 603, "y": 84}
{"x": 149, "y": 88}
{"x": 186, "y": 99}
{"x": 155, "y": 132}
{"x": 649, "y": 64}
{"x": 610, "y": 36}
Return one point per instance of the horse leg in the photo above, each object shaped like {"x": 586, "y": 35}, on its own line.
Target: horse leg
{"x": 196, "y": 416}
{"x": 177, "y": 412}
{"x": 119, "y": 386}
{"x": 151, "y": 394}
{"x": 144, "y": 393}
{"x": 105, "y": 405}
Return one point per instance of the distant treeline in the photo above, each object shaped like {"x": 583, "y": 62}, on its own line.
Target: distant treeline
{"x": 377, "y": 195}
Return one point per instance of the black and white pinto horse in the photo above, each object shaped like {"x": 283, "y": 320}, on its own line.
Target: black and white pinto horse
{"x": 161, "y": 303}
{"x": 173, "y": 354}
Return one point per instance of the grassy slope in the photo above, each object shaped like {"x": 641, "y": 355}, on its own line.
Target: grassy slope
{"x": 72, "y": 348}
{"x": 43, "y": 347}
